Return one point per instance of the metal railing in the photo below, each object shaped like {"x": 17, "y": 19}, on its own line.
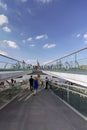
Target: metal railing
{"x": 73, "y": 95}
{"x": 76, "y": 61}
{"x": 10, "y": 64}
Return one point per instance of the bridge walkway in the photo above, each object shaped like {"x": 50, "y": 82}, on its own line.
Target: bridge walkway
{"x": 45, "y": 111}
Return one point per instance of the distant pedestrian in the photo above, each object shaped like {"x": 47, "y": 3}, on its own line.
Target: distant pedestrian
{"x": 47, "y": 81}
{"x": 31, "y": 83}
{"x": 12, "y": 82}
{"x": 35, "y": 85}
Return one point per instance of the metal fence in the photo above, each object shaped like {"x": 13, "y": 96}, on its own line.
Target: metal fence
{"x": 76, "y": 61}
{"x": 73, "y": 95}
{"x": 11, "y": 64}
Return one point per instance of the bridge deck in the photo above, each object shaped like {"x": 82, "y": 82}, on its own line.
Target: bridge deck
{"x": 41, "y": 112}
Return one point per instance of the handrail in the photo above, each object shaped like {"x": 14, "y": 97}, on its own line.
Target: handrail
{"x": 66, "y": 55}
{"x": 9, "y": 63}
{"x": 10, "y": 57}
{"x": 76, "y": 60}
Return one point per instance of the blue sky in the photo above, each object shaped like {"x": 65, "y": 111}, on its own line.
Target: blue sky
{"x": 42, "y": 29}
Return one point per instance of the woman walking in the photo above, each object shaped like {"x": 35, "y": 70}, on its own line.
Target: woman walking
{"x": 35, "y": 84}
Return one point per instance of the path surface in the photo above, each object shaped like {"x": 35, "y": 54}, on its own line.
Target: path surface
{"x": 41, "y": 112}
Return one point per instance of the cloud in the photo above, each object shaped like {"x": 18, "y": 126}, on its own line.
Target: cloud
{"x": 6, "y": 29}
{"x": 49, "y": 46}
{"x": 11, "y": 44}
{"x": 32, "y": 45}
{"x": 44, "y": 1}
{"x": 41, "y": 37}
{"x": 85, "y": 36}
{"x": 3, "y": 19}
{"x": 3, "y": 5}
{"x": 85, "y": 42}
{"x": 4, "y": 53}
{"x": 78, "y": 35}
{"x": 29, "y": 39}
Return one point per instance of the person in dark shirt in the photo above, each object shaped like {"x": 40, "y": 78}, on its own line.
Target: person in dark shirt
{"x": 31, "y": 83}
{"x": 47, "y": 81}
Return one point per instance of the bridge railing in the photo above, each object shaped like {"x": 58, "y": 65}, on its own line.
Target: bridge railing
{"x": 76, "y": 61}
{"x": 10, "y": 64}
{"x": 74, "y": 95}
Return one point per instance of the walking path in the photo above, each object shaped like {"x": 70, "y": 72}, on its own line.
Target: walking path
{"x": 41, "y": 112}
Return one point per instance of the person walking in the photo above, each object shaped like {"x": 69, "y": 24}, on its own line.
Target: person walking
{"x": 31, "y": 83}
{"x": 35, "y": 84}
{"x": 39, "y": 81}
{"x": 47, "y": 81}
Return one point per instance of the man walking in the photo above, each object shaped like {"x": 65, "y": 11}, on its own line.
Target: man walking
{"x": 31, "y": 83}
{"x": 47, "y": 81}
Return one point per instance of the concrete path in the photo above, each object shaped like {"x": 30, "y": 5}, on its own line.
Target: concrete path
{"x": 41, "y": 112}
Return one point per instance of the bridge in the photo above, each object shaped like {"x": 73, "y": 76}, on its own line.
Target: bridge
{"x": 61, "y": 107}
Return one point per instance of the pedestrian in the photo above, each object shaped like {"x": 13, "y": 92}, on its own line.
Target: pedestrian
{"x": 35, "y": 84}
{"x": 31, "y": 83}
{"x": 12, "y": 82}
{"x": 47, "y": 81}
{"x": 39, "y": 81}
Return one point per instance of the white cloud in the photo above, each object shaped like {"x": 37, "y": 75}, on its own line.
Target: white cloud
{"x": 3, "y": 5}
{"x": 44, "y": 1}
{"x": 29, "y": 39}
{"x": 4, "y": 53}
{"x": 11, "y": 44}
{"x": 41, "y": 37}
{"x": 6, "y": 29}
{"x": 49, "y": 46}
{"x": 3, "y": 19}
{"x": 85, "y": 36}
{"x": 32, "y": 45}
{"x": 85, "y": 41}
{"x": 78, "y": 35}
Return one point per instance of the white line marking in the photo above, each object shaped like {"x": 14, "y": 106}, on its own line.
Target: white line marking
{"x": 23, "y": 97}
{"x": 28, "y": 97}
{"x": 32, "y": 94}
{"x": 8, "y": 102}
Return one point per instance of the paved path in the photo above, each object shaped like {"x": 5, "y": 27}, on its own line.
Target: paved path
{"x": 41, "y": 112}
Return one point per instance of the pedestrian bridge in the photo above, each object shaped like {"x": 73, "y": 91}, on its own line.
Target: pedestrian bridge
{"x": 47, "y": 111}
{"x": 71, "y": 67}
